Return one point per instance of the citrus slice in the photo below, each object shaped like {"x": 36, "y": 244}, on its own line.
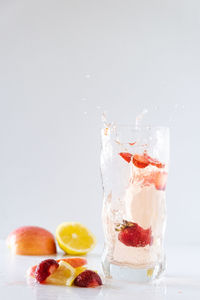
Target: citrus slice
{"x": 75, "y": 262}
{"x": 63, "y": 275}
{"x": 75, "y": 238}
{"x": 79, "y": 270}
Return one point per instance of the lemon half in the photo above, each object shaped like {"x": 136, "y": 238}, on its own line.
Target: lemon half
{"x": 74, "y": 238}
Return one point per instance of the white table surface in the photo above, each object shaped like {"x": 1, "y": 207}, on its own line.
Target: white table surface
{"x": 182, "y": 280}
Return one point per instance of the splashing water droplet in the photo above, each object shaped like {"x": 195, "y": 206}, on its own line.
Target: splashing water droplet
{"x": 140, "y": 117}
{"x": 103, "y": 118}
{"x": 105, "y": 121}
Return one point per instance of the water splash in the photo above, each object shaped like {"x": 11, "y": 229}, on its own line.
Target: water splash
{"x": 140, "y": 117}
{"x": 105, "y": 121}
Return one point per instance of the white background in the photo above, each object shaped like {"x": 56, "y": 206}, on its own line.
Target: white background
{"x": 61, "y": 64}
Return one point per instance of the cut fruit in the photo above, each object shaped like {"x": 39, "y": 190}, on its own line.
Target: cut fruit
{"x": 160, "y": 180}
{"x": 63, "y": 275}
{"x": 132, "y": 144}
{"x": 79, "y": 270}
{"x": 75, "y": 262}
{"x": 45, "y": 269}
{"x": 75, "y": 238}
{"x": 88, "y": 279}
{"x": 140, "y": 161}
{"x": 154, "y": 161}
{"x": 31, "y": 240}
{"x": 126, "y": 156}
{"x": 31, "y": 271}
{"x": 150, "y": 272}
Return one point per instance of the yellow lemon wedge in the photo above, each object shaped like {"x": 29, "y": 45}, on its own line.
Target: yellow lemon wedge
{"x": 150, "y": 272}
{"x": 79, "y": 270}
{"x": 63, "y": 275}
{"x": 74, "y": 238}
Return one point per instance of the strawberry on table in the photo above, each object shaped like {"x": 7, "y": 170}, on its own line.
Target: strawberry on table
{"x": 45, "y": 269}
{"x": 50, "y": 271}
{"x": 87, "y": 279}
{"x": 75, "y": 262}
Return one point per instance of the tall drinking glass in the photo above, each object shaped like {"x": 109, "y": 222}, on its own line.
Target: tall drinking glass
{"x": 134, "y": 167}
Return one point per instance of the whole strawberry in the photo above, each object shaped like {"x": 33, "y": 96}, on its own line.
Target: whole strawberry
{"x": 133, "y": 235}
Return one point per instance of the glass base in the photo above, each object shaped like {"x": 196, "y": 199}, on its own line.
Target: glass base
{"x": 121, "y": 272}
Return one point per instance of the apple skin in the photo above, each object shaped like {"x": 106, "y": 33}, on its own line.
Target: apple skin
{"x": 31, "y": 240}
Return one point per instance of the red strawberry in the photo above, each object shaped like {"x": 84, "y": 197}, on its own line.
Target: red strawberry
{"x": 154, "y": 161}
{"x": 160, "y": 180}
{"x": 126, "y": 156}
{"x": 88, "y": 278}
{"x": 75, "y": 262}
{"x": 132, "y": 235}
{"x": 140, "y": 161}
{"x": 45, "y": 269}
{"x": 132, "y": 144}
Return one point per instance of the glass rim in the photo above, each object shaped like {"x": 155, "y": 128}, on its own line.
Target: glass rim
{"x": 141, "y": 127}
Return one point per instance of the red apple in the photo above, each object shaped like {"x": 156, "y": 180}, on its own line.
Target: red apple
{"x": 31, "y": 240}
